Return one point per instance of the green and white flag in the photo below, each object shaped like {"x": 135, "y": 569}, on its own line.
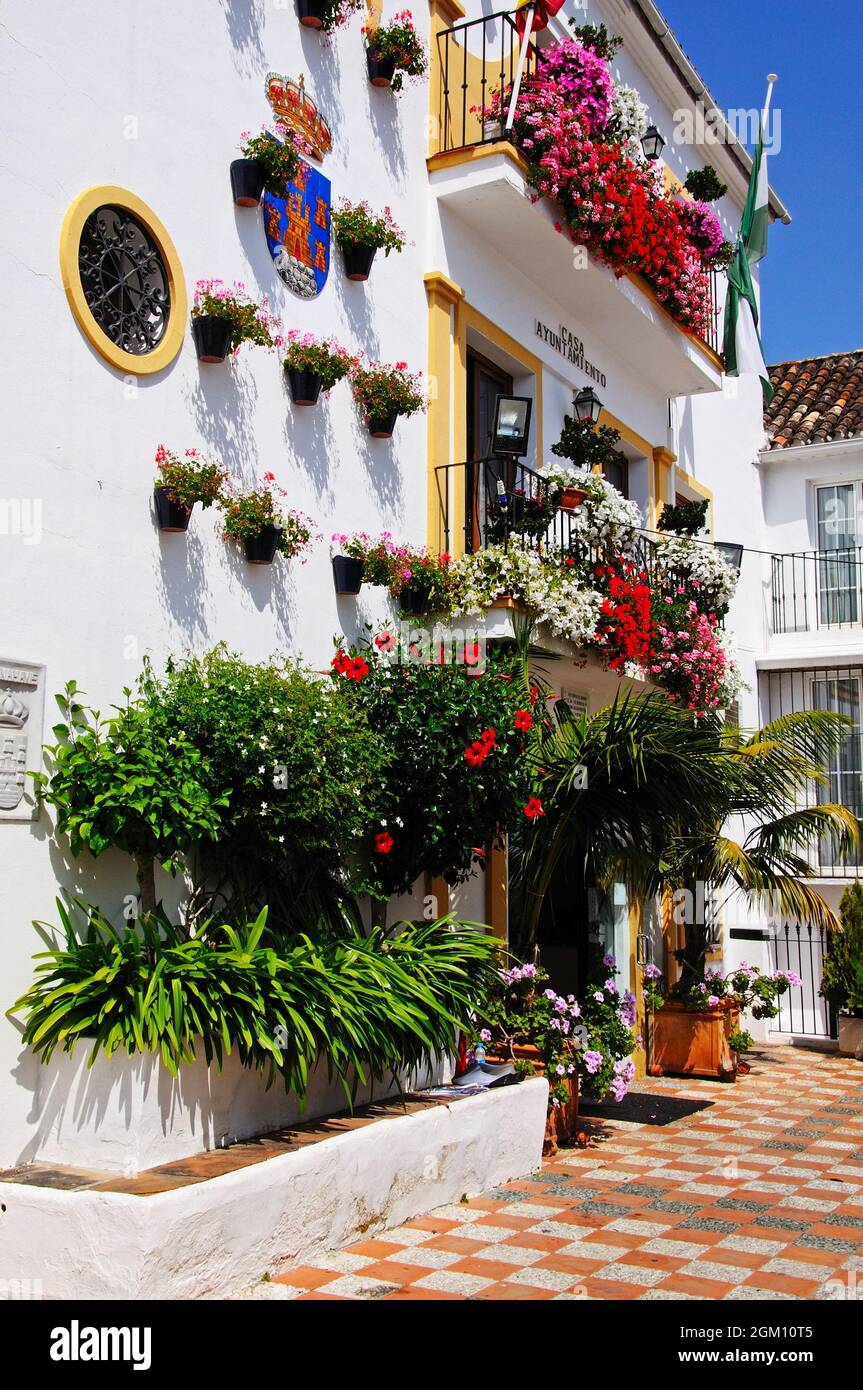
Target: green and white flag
{"x": 742, "y": 345}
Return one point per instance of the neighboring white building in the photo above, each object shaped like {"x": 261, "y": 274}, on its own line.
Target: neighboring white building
{"x": 148, "y": 120}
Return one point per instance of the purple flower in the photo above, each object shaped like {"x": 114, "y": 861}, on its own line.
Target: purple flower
{"x": 593, "y": 1061}
{"x": 599, "y": 996}
{"x": 618, "y": 1088}
{"x": 560, "y": 1069}
{"x": 609, "y": 961}
{"x": 485, "y": 1034}
{"x": 713, "y": 1000}
{"x": 610, "y": 986}
{"x": 652, "y": 972}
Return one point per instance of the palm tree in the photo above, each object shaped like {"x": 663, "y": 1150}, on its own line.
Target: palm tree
{"x": 642, "y": 792}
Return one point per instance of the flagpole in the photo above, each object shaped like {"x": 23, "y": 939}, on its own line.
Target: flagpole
{"x": 772, "y": 79}
{"x": 525, "y": 44}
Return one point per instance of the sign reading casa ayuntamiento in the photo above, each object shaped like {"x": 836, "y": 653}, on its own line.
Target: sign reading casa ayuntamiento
{"x": 569, "y": 346}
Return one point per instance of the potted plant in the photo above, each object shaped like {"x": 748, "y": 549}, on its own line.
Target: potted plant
{"x": 572, "y": 484}
{"x": 326, "y": 14}
{"x": 270, "y": 163}
{"x": 419, "y": 580}
{"x": 691, "y": 1030}
{"x": 259, "y": 519}
{"x": 683, "y": 518}
{"x": 395, "y": 51}
{"x": 183, "y": 482}
{"x": 224, "y": 318}
{"x": 384, "y": 393}
{"x": 313, "y": 365}
{"x": 842, "y": 980}
{"x": 359, "y": 233}
{"x": 741, "y": 1042}
{"x": 349, "y": 561}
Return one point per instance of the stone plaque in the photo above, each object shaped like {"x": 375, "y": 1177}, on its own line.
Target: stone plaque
{"x": 22, "y": 703}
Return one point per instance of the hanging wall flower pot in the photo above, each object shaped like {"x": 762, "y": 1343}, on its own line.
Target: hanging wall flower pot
{"x": 212, "y": 337}
{"x": 348, "y": 574}
{"x": 414, "y": 599}
{"x": 305, "y": 386}
{"x": 172, "y": 516}
{"x": 312, "y": 13}
{"x": 247, "y": 182}
{"x": 261, "y": 549}
{"x": 358, "y": 260}
{"x": 381, "y": 70}
{"x": 382, "y": 426}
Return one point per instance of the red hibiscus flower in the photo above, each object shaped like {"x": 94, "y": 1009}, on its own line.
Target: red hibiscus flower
{"x": 534, "y": 808}
{"x": 383, "y": 842}
{"x": 523, "y": 720}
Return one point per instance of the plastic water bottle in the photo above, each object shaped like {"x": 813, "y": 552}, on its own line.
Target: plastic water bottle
{"x": 479, "y": 1054}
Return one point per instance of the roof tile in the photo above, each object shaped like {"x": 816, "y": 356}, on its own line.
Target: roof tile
{"x": 816, "y": 400}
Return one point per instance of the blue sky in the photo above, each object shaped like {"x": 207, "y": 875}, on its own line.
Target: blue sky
{"x": 813, "y": 273}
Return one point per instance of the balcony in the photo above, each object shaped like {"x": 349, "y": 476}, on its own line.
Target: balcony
{"x": 818, "y": 592}
{"x": 480, "y": 178}
{"x": 501, "y": 502}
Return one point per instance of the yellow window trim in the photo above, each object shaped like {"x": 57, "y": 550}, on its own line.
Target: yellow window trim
{"x": 70, "y": 237}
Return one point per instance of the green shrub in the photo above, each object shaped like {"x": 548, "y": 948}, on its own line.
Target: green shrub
{"x": 705, "y": 184}
{"x": 366, "y": 1005}
{"x": 842, "y": 979}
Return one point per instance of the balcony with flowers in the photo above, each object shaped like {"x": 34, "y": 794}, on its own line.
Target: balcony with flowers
{"x": 567, "y": 194}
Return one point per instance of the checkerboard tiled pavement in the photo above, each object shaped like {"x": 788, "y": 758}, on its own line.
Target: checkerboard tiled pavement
{"x": 756, "y": 1194}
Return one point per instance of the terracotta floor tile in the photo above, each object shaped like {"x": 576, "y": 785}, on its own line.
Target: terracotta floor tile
{"x": 437, "y": 1225}
{"x": 692, "y": 1284}
{"x": 611, "y": 1289}
{"x": 514, "y": 1293}
{"x": 319, "y": 1295}
{"x": 532, "y": 1240}
{"x": 393, "y": 1272}
{"x": 306, "y": 1277}
{"x": 374, "y": 1249}
{"x": 457, "y": 1245}
{"x": 741, "y": 1258}
{"x": 408, "y": 1294}
{"x": 784, "y": 1283}
{"x": 571, "y": 1264}
{"x": 607, "y": 1237}
{"x": 645, "y": 1260}
{"x": 485, "y": 1269}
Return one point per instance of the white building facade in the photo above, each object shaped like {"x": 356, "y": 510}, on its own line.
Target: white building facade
{"x": 485, "y": 299}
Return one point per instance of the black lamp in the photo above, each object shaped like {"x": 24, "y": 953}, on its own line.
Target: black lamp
{"x": 511, "y": 425}
{"x": 731, "y": 552}
{"x": 652, "y": 143}
{"x": 587, "y": 406}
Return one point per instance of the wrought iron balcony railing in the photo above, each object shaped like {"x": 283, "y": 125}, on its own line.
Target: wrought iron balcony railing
{"x": 812, "y": 590}
{"x": 478, "y": 61}
{"x": 497, "y": 501}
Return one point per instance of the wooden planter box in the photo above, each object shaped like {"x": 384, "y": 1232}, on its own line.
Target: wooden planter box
{"x": 561, "y": 1122}
{"x": 686, "y": 1042}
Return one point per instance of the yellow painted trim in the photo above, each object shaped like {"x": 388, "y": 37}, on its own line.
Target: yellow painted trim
{"x": 70, "y": 236}
{"x": 438, "y": 888}
{"x": 636, "y": 917}
{"x": 467, "y": 154}
{"x": 497, "y": 891}
{"x": 661, "y": 490}
{"x": 437, "y": 283}
{"x": 472, "y": 318}
{"x": 631, "y": 436}
{"x": 451, "y": 11}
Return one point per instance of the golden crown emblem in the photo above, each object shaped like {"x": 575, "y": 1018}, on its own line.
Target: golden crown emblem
{"x": 294, "y": 108}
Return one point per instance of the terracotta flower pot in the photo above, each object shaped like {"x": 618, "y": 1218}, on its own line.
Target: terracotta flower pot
{"x": 571, "y": 497}
{"x": 694, "y": 1042}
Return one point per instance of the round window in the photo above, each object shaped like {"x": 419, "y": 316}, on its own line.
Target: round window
{"x": 123, "y": 280}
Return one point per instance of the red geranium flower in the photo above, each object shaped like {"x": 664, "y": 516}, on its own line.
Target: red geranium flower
{"x": 383, "y": 842}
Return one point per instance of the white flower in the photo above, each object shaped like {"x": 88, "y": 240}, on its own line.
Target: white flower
{"x": 688, "y": 560}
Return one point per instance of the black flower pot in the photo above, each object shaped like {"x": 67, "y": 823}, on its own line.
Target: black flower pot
{"x": 348, "y": 574}
{"x": 382, "y": 426}
{"x": 414, "y": 599}
{"x": 305, "y": 386}
{"x": 381, "y": 70}
{"x": 212, "y": 336}
{"x": 172, "y": 516}
{"x": 247, "y": 182}
{"x": 261, "y": 549}
{"x": 358, "y": 260}
{"x": 312, "y": 13}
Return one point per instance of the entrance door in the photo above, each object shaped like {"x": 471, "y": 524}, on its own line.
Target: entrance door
{"x": 485, "y": 382}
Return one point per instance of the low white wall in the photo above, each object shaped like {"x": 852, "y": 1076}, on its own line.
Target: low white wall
{"x": 128, "y": 1113}
{"x": 213, "y": 1238}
